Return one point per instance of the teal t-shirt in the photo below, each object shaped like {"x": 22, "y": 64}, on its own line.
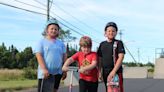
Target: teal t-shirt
{"x": 52, "y": 52}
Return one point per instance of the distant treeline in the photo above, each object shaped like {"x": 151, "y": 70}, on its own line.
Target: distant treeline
{"x": 11, "y": 58}
{"x": 133, "y": 64}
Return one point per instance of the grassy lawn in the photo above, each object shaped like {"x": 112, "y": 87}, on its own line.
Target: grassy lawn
{"x": 17, "y": 84}
{"x": 13, "y": 79}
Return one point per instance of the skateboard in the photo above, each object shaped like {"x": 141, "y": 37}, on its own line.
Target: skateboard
{"x": 113, "y": 86}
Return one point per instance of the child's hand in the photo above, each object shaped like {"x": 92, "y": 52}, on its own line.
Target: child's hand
{"x": 46, "y": 73}
{"x": 65, "y": 68}
{"x": 64, "y": 75}
{"x": 111, "y": 76}
{"x": 81, "y": 70}
{"x": 100, "y": 77}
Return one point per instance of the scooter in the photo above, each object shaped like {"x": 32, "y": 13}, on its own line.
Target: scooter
{"x": 71, "y": 81}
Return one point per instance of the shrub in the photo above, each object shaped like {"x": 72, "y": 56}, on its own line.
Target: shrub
{"x": 151, "y": 70}
{"x": 29, "y": 73}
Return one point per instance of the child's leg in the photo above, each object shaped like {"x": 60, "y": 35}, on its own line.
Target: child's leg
{"x": 83, "y": 86}
{"x": 105, "y": 75}
{"x": 46, "y": 85}
{"x": 39, "y": 84}
{"x": 57, "y": 82}
{"x": 92, "y": 86}
{"x": 121, "y": 82}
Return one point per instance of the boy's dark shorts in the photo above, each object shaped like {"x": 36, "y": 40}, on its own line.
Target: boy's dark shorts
{"x": 56, "y": 79}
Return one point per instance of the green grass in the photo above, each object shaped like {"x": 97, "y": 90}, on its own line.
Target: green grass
{"x": 13, "y": 79}
{"x": 17, "y": 84}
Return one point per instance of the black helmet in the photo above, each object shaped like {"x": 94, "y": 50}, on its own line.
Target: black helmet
{"x": 113, "y": 24}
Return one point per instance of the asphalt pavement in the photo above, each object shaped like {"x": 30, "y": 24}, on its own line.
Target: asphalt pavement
{"x": 130, "y": 85}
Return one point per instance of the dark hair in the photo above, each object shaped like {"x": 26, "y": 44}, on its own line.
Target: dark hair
{"x": 113, "y": 24}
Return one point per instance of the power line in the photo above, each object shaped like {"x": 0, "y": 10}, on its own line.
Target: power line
{"x": 22, "y": 9}
{"x": 130, "y": 54}
{"x": 67, "y": 22}
{"x": 90, "y": 12}
{"x": 75, "y": 17}
{"x": 120, "y": 33}
{"x": 30, "y": 5}
{"x": 44, "y": 15}
{"x": 40, "y": 3}
{"x": 36, "y": 13}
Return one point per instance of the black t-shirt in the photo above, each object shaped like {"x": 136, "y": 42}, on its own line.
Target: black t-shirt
{"x": 105, "y": 51}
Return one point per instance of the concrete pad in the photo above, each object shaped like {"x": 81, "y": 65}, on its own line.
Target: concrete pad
{"x": 159, "y": 69}
{"x": 135, "y": 72}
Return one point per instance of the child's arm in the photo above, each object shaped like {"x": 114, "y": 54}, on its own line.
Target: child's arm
{"x": 118, "y": 62}
{"x": 88, "y": 67}
{"x": 64, "y": 75}
{"x": 42, "y": 64}
{"x": 64, "y": 57}
{"x": 66, "y": 64}
{"x": 100, "y": 69}
{"x": 117, "y": 65}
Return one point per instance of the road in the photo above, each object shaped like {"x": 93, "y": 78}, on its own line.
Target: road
{"x": 130, "y": 85}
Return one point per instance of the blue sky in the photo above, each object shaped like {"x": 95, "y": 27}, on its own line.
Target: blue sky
{"x": 141, "y": 22}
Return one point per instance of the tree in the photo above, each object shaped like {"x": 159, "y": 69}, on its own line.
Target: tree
{"x": 150, "y": 64}
{"x": 66, "y": 36}
{"x": 27, "y": 55}
{"x": 33, "y": 63}
{"x": 70, "y": 52}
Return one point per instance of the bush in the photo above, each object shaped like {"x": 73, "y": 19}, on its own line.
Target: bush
{"x": 29, "y": 73}
{"x": 151, "y": 70}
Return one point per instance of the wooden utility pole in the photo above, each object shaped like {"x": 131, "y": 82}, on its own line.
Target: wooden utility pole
{"x": 48, "y": 10}
{"x": 120, "y": 33}
{"x": 138, "y": 55}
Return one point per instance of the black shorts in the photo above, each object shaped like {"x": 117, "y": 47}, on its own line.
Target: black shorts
{"x": 87, "y": 86}
{"x": 55, "y": 79}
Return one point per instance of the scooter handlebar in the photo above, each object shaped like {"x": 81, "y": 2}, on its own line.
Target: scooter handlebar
{"x": 74, "y": 70}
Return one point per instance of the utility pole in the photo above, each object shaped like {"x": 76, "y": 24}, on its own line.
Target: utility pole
{"x": 130, "y": 54}
{"x": 48, "y": 10}
{"x": 120, "y": 33}
{"x": 138, "y": 55}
